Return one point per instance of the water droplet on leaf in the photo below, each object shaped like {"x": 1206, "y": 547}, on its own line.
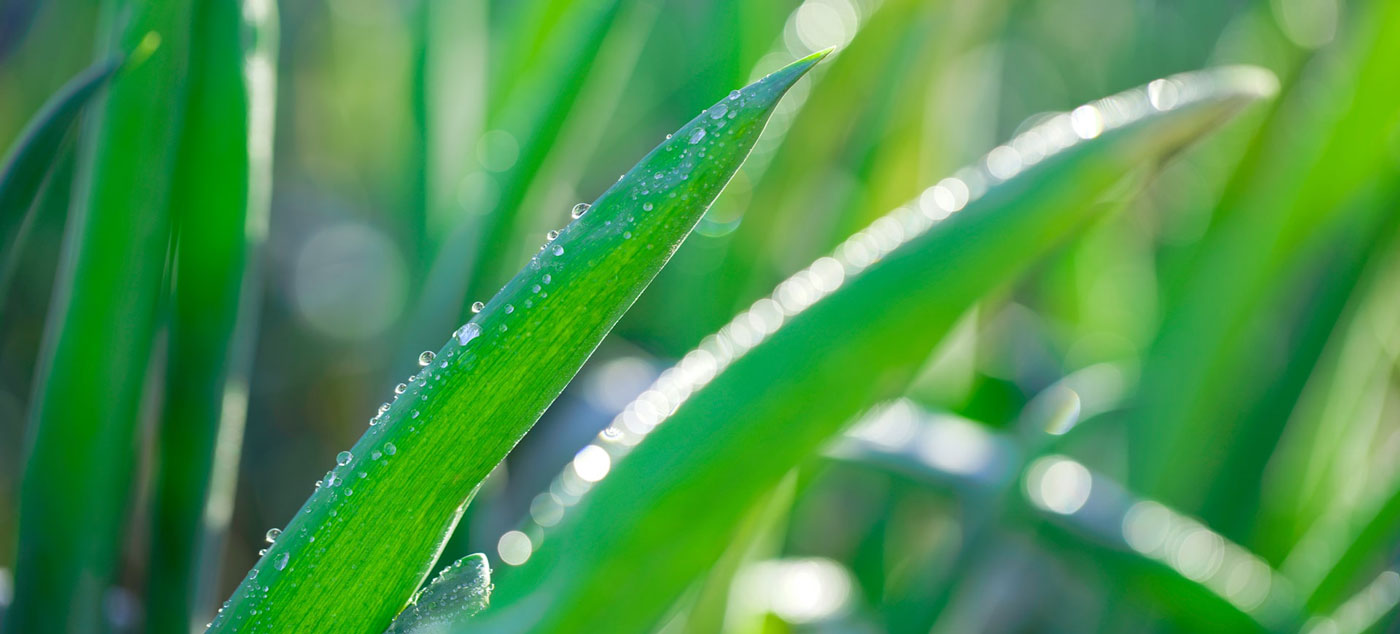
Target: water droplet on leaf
{"x": 467, "y": 332}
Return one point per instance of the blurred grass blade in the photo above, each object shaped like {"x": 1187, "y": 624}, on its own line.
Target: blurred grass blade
{"x": 383, "y": 512}
{"x": 219, "y": 213}
{"x": 849, "y": 331}
{"x": 999, "y": 478}
{"x": 97, "y": 344}
{"x": 1229, "y": 361}
{"x": 455, "y": 595}
{"x": 552, "y": 46}
{"x": 28, "y": 163}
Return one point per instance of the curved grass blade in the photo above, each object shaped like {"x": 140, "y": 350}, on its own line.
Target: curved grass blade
{"x": 455, "y": 595}
{"x": 384, "y": 511}
{"x": 97, "y": 343}
{"x": 26, "y": 167}
{"x": 219, "y": 205}
{"x": 771, "y": 387}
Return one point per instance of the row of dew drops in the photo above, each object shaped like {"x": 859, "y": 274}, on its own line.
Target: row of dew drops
{"x": 1053, "y": 135}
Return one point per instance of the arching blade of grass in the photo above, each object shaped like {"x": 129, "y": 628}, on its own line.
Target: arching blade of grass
{"x": 97, "y": 344}
{"x": 849, "y": 331}
{"x": 26, "y": 167}
{"x": 219, "y": 210}
{"x": 360, "y": 546}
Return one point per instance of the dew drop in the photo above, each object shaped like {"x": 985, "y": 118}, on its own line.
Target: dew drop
{"x": 281, "y": 561}
{"x": 733, "y": 94}
{"x": 509, "y": 309}
{"x": 373, "y": 455}
{"x": 426, "y": 358}
{"x": 718, "y": 111}
{"x": 477, "y": 306}
{"x": 558, "y": 250}
{"x": 551, "y": 234}
{"x": 646, "y": 206}
{"x": 658, "y": 175}
{"x": 262, "y": 552}
{"x": 697, "y": 135}
{"x": 535, "y": 288}
{"x": 343, "y": 458}
{"x": 390, "y": 449}
{"x": 467, "y": 332}
{"x": 272, "y": 534}
{"x": 579, "y": 210}
{"x": 400, "y": 388}
{"x": 547, "y": 279}
{"x": 383, "y": 407}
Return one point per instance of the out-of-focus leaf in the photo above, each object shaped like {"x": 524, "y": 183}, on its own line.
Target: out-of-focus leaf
{"x": 1210, "y": 395}
{"x": 384, "y": 510}
{"x": 97, "y": 343}
{"x": 553, "y": 44}
{"x": 849, "y": 331}
{"x": 26, "y": 167}
{"x": 219, "y": 208}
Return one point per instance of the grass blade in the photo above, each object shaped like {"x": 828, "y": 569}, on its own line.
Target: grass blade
{"x": 384, "y": 511}
{"x": 778, "y": 381}
{"x": 219, "y": 203}
{"x": 26, "y": 167}
{"x": 78, "y": 475}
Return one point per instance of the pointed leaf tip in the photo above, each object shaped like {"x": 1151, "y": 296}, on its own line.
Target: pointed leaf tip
{"x": 777, "y": 83}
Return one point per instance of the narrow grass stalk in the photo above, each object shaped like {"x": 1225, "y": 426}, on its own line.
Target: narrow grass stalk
{"x": 553, "y": 43}
{"x": 219, "y": 206}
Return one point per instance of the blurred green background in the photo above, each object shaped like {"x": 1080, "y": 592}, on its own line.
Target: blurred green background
{"x": 1230, "y": 336}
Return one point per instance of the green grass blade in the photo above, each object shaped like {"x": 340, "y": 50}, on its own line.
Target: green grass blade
{"x": 778, "y": 381}
{"x": 78, "y": 474}
{"x": 455, "y": 595}
{"x": 383, "y": 512}
{"x": 219, "y": 207}
{"x": 26, "y": 167}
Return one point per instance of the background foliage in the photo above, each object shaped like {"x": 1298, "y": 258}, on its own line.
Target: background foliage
{"x": 1225, "y": 336}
